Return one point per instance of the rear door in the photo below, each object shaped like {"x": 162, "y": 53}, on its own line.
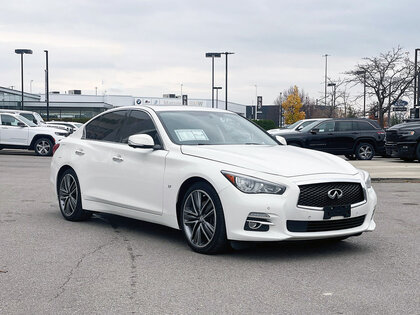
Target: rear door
{"x": 93, "y": 156}
{"x": 344, "y": 135}
{"x": 11, "y": 133}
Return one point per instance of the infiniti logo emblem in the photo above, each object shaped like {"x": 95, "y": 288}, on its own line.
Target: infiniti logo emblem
{"x": 335, "y": 193}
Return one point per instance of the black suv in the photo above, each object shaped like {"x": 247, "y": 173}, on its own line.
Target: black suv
{"x": 403, "y": 141}
{"x": 354, "y": 138}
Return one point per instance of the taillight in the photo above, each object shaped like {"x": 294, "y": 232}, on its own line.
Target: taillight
{"x": 55, "y": 147}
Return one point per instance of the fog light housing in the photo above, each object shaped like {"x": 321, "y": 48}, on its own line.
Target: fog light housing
{"x": 258, "y": 222}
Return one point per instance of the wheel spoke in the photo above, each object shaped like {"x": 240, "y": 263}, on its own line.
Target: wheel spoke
{"x": 204, "y": 228}
{"x": 209, "y": 226}
{"x": 208, "y": 213}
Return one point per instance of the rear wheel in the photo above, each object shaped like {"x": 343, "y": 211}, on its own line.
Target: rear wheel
{"x": 43, "y": 147}
{"x": 365, "y": 151}
{"x": 69, "y": 197}
{"x": 202, "y": 220}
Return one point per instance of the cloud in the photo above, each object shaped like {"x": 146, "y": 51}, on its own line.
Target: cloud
{"x": 150, "y": 47}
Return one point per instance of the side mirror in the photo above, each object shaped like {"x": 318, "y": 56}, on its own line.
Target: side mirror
{"x": 21, "y": 124}
{"x": 281, "y": 140}
{"x": 314, "y": 131}
{"x": 141, "y": 141}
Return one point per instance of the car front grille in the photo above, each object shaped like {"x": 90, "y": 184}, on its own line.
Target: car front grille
{"x": 326, "y": 225}
{"x": 316, "y": 195}
{"x": 391, "y": 136}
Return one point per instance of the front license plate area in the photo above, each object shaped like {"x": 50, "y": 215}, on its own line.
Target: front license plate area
{"x": 337, "y": 211}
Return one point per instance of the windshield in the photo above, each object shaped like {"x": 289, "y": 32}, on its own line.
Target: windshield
{"x": 212, "y": 128}
{"x": 27, "y": 121}
{"x": 294, "y": 125}
{"x": 38, "y": 117}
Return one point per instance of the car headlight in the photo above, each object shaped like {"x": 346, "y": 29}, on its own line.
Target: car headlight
{"x": 366, "y": 178}
{"x": 407, "y": 132}
{"x": 252, "y": 185}
{"x": 62, "y": 134}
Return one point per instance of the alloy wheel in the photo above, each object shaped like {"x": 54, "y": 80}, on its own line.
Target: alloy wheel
{"x": 365, "y": 152}
{"x": 43, "y": 147}
{"x": 199, "y": 218}
{"x": 68, "y": 194}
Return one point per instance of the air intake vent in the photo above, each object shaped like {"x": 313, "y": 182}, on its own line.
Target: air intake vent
{"x": 322, "y": 226}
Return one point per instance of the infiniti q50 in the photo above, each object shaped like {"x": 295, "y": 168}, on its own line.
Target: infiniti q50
{"x": 210, "y": 173}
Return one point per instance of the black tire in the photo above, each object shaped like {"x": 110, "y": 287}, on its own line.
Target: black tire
{"x": 350, "y": 157}
{"x": 407, "y": 159}
{"x": 418, "y": 152}
{"x": 43, "y": 147}
{"x": 203, "y": 226}
{"x": 69, "y": 200}
{"x": 364, "y": 151}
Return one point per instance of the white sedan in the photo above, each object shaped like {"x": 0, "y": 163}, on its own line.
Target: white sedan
{"x": 212, "y": 174}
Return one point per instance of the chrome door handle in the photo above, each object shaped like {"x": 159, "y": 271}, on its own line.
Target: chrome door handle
{"x": 117, "y": 158}
{"x": 79, "y": 152}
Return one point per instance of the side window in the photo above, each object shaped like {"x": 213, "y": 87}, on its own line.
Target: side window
{"x": 364, "y": 125}
{"x": 327, "y": 126}
{"x": 343, "y": 126}
{"x": 138, "y": 122}
{"x": 7, "y": 120}
{"x": 106, "y": 127}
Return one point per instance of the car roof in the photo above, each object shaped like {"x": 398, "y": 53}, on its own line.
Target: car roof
{"x": 164, "y": 108}
{"x": 16, "y": 111}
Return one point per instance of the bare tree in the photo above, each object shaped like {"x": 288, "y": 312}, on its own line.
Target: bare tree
{"x": 388, "y": 77}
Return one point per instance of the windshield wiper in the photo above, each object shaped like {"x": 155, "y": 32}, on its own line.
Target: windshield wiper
{"x": 257, "y": 143}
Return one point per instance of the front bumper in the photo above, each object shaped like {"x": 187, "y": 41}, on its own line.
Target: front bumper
{"x": 281, "y": 208}
{"x": 401, "y": 149}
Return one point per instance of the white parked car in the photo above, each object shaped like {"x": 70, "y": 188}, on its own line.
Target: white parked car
{"x": 212, "y": 174}
{"x": 72, "y": 126}
{"x": 17, "y": 132}
{"x": 297, "y": 126}
{"x": 35, "y": 118}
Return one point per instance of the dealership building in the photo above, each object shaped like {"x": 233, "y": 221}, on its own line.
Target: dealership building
{"x": 74, "y": 104}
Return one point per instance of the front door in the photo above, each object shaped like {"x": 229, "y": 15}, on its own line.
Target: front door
{"x": 321, "y": 136}
{"x": 11, "y": 133}
{"x": 137, "y": 174}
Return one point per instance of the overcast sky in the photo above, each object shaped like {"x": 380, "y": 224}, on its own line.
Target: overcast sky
{"x": 151, "y": 47}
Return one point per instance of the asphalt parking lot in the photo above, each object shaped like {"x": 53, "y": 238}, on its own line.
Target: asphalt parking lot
{"x": 115, "y": 265}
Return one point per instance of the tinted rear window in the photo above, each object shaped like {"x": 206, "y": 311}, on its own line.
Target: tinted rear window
{"x": 106, "y": 127}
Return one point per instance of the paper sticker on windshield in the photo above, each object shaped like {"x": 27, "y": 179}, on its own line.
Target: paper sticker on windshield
{"x": 191, "y": 135}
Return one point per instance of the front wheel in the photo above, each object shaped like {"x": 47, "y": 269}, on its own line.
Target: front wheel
{"x": 69, "y": 197}
{"x": 202, "y": 219}
{"x": 43, "y": 147}
{"x": 365, "y": 151}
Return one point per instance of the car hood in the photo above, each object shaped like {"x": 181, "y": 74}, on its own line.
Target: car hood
{"x": 280, "y": 160}
{"x": 47, "y": 129}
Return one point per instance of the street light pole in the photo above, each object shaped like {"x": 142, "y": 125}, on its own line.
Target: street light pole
{"x": 416, "y": 79}
{"x": 325, "y": 82}
{"x": 217, "y": 88}
{"x": 333, "y": 97}
{"x": 212, "y": 56}
{"x": 47, "y": 85}
{"x": 226, "y": 77}
{"x": 21, "y": 52}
